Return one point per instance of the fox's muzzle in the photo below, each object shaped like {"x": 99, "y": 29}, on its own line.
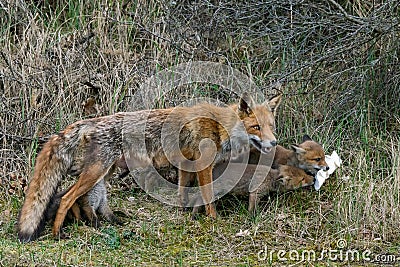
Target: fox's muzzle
{"x": 324, "y": 168}
{"x": 263, "y": 146}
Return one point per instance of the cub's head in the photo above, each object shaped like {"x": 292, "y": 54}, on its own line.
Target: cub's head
{"x": 310, "y": 155}
{"x": 291, "y": 178}
{"x": 259, "y": 121}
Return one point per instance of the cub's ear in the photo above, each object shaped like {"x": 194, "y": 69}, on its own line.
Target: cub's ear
{"x": 284, "y": 181}
{"x": 306, "y": 137}
{"x": 273, "y": 103}
{"x": 246, "y": 103}
{"x": 298, "y": 149}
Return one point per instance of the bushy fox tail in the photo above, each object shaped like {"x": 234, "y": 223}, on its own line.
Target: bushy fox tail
{"x": 52, "y": 163}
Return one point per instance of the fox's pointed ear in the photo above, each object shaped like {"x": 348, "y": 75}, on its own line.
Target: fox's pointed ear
{"x": 298, "y": 149}
{"x": 274, "y": 103}
{"x": 246, "y": 103}
{"x": 306, "y": 137}
{"x": 283, "y": 181}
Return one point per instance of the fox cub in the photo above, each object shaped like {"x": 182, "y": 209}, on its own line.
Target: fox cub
{"x": 90, "y": 204}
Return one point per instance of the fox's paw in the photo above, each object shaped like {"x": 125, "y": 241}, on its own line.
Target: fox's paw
{"x": 62, "y": 235}
{"x": 211, "y": 211}
{"x": 94, "y": 223}
{"x": 195, "y": 216}
{"x": 184, "y": 209}
{"x": 115, "y": 220}
{"x": 120, "y": 217}
{"x": 196, "y": 212}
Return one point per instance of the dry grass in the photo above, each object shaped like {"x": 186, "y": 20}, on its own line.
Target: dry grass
{"x": 339, "y": 67}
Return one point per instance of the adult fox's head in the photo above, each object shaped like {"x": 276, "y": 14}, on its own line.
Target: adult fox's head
{"x": 310, "y": 155}
{"x": 259, "y": 121}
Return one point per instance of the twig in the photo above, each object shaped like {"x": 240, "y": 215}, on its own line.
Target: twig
{"x": 24, "y": 139}
{"x": 355, "y": 19}
{"x": 345, "y": 14}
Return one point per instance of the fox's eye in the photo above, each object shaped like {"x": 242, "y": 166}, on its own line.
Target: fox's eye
{"x": 317, "y": 159}
{"x": 256, "y": 127}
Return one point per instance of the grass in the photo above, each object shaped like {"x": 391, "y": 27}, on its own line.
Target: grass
{"x": 341, "y": 89}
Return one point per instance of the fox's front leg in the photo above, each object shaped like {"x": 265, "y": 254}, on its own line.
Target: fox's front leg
{"x": 76, "y": 211}
{"x": 254, "y": 198}
{"x": 207, "y": 192}
{"x": 87, "y": 179}
{"x": 88, "y": 211}
{"x": 185, "y": 179}
{"x": 67, "y": 201}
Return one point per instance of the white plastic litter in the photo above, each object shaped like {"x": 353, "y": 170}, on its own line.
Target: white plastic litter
{"x": 333, "y": 162}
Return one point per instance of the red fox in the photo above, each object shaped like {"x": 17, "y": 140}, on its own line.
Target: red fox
{"x": 283, "y": 179}
{"x": 98, "y": 145}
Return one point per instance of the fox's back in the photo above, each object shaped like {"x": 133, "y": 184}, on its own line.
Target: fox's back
{"x": 282, "y": 155}
{"x": 243, "y": 178}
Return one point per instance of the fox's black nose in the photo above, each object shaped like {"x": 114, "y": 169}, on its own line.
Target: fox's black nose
{"x": 274, "y": 143}
{"x": 326, "y": 168}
